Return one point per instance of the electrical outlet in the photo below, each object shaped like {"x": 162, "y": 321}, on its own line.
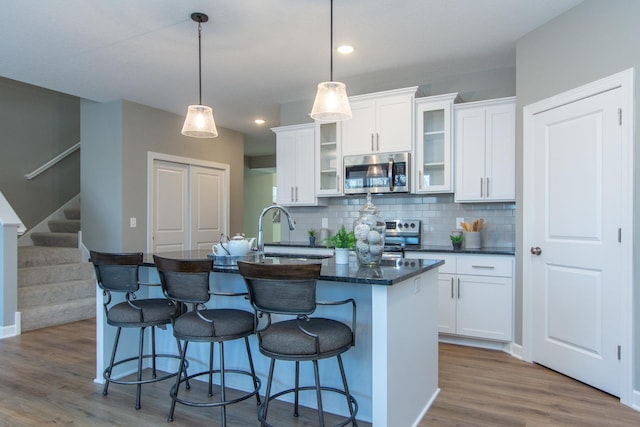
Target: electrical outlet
{"x": 325, "y": 222}
{"x": 458, "y": 221}
{"x": 132, "y": 222}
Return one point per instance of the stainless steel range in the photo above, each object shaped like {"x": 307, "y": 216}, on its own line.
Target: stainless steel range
{"x": 401, "y": 233}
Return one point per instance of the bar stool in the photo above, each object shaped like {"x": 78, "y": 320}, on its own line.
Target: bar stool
{"x": 290, "y": 289}
{"x": 118, "y": 273}
{"x": 187, "y": 283}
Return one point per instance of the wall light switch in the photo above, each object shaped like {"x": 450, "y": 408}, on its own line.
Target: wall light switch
{"x": 325, "y": 222}
{"x": 132, "y": 222}
{"x": 458, "y": 221}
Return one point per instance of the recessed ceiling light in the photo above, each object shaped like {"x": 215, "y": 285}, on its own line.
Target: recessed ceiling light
{"x": 345, "y": 49}
{"x": 259, "y": 121}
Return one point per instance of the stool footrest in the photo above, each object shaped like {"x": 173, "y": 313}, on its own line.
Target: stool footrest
{"x": 107, "y": 372}
{"x": 245, "y": 396}
{"x": 351, "y": 419}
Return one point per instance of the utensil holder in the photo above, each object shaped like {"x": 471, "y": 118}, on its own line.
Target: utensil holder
{"x": 472, "y": 240}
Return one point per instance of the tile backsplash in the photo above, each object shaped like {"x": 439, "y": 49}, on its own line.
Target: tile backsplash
{"x": 437, "y": 212}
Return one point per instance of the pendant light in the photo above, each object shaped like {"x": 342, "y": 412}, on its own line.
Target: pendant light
{"x": 199, "y": 122}
{"x": 331, "y": 103}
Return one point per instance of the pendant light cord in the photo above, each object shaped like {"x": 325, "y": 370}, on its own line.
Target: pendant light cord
{"x": 331, "y": 45}
{"x": 200, "y": 61}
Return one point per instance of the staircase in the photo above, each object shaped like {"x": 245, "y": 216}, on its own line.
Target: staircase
{"x": 55, "y": 286}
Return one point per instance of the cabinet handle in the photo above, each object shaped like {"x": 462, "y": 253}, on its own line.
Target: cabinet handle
{"x": 377, "y": 141}
{"x": 338, "y": 183}
{"x": 292, "y": 200}
{"x": 458, "y": 288}
{"x": 490, "y": 267}
{"x": 296, "y": 193}
{"x": 481, "y": 187}
{"x": 421, "y": 179}
{"x": 452, "y": 288}
{"x": 372, "y": 149}
{"x": 487, "y": 186}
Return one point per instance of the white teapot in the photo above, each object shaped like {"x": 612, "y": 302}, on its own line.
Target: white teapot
{"x": 239, "y": 246}
{"x": 222, "y": 247}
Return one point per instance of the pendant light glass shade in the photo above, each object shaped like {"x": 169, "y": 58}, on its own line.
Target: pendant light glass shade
{"x": 331, "y": 103}
{"x": 199, "y": 122}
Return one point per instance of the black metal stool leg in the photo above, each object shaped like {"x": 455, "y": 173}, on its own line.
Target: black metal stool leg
{"x": 174, "y": 391}
{"x": 153, "y": 352}
{"x": 318, "y": 393}
{"x": 210, "y": 369}
{"x": 296, "y": 387}
{"x": 346, "y": 388}
{"x": 186, "y": 374}
{"x": 268, "y": 391}
{"x": 251, "y": 368}
{"x": 140, "y": 354}
{"x": 110, "y": 368}
{"x": 223, "y": 394}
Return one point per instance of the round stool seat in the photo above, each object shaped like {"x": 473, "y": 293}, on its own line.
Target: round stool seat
{"x": 285, "y": 340}
{"x": 228, "y": 324}
{"x": 146, "y": 312}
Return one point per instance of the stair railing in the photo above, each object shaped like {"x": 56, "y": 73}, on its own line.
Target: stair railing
{"x": 53, "y": 161}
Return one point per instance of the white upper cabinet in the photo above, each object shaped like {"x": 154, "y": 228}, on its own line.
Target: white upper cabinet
{"x": 382, "y": 123}
{"x": 295, "y": 165}
{"x": 433, "y": 159}
{"x": 485, "y": 151}
{"x": 328, "y": 159}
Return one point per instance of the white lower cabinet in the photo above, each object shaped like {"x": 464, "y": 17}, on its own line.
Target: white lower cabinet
{"x": 475, "y": 295}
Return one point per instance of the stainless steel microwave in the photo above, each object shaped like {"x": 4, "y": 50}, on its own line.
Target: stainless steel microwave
{"x": 377, "y": 173}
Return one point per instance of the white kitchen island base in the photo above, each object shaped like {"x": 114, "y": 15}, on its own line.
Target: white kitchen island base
{"x": 392, "y": 370}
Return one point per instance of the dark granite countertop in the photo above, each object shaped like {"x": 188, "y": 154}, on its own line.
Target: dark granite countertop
{"x": 390, "y": 272}
{"x": 449, "y": 249}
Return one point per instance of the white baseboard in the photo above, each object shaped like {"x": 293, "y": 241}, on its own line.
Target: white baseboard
{"x": 635, "y": 404}
{"x": 517, "y": 351}
{"x": 474, "y": 342}
{"x": 426, "y": 408}
{"x": 12, "y": 330}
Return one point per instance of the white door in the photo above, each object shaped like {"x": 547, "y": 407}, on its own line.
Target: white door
{"x": 190, "y": 206}
{"x": 170, "y": 206}
{"x": 576, "y": 276}
{"x": 208, "y": 210}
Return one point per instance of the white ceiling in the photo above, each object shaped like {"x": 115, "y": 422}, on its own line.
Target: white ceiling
{"x": 257, "y": 54}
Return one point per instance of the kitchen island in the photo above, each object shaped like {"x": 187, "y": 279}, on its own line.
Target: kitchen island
{"x": 392, "y": 370}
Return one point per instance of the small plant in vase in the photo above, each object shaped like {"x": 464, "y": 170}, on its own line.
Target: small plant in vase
{"x": 312, "y": 237}
{"x": 342, "y": 241}
{"x": 456, "y": 241}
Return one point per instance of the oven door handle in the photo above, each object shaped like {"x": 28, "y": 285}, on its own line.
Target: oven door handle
{"x": 391, "y": 173}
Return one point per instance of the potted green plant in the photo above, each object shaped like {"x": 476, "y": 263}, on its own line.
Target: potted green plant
{"x": 312, "y": 237}
{"x": 456, "y": 241}
{"x": 342, "y": 241}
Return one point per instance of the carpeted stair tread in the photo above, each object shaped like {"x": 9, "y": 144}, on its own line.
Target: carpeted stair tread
{"x": 36, "y": 256}
{"x": 64, "y": 225}
{"x": 72, "y": 213}
{"x": 56, "y": 314}
{"x": 30, "y": 276}
{"x": 65, "y": 240}
{"x": 55, "y": 293}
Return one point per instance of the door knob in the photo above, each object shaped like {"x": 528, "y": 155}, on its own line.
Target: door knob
{"x": 536, "y": 250}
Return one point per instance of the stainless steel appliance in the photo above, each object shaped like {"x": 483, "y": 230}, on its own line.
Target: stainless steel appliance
{"x": 377, "y": 173}
{"x": 399, "y": 234}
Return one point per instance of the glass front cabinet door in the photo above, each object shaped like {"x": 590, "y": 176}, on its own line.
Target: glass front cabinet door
{"x": 433, "y": 163}
{"x": 329, "y": 159}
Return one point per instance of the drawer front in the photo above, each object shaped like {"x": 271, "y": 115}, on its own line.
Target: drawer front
{"x": 501, "y": 266}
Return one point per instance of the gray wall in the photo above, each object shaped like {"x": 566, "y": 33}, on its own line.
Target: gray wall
{"x": 117, "y": 137}
{"x": 476, "y": 86}
{"x": 595, "y": 39}
{"x": 37, "y": 124}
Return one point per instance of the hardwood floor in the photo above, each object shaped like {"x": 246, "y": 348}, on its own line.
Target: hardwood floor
{"x": 489, "y": 388}
{"x": 46, "y": 379}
